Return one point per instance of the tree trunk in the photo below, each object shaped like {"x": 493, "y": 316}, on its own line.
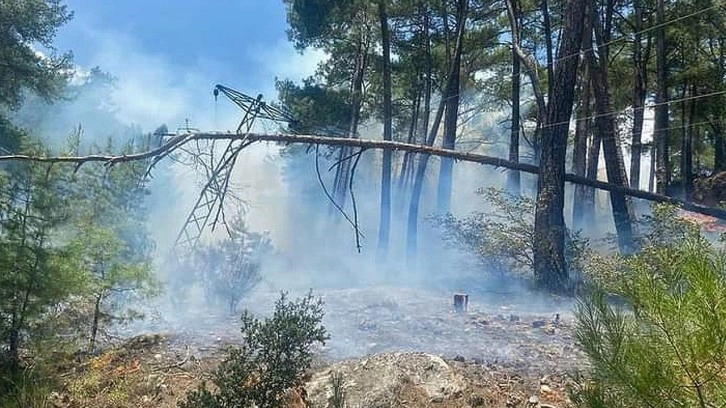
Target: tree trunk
{"x": 614, "y": 164}
{"x": 662, "y": 171}
{"x": 385, "y": 216}
{"x": 531, "y": 69}
{"x": 342, "y": 175}
{"x": 513, "y": 179}
{"x": 366, "y": 144}
{"x": 452, "y": 112}
{"x": 96, "y": 322}
{"x": 14, "y": 341}
{"x": 405, "y": 176}
{"x": 548, "y": 45}
{"x": 719, "y": 147}
{"x": 550, "y": 270}
{"x": 579, "y": 154}
{"x": 615, "y": 168}
{"x": 640, "y": 73}
{"x": 687, "y": 154}
{"x": 651, "y": 176}
{"x": 412, "y": 227}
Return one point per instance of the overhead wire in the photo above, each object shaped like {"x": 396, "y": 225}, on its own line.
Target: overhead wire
{"x": 645, "y": 30}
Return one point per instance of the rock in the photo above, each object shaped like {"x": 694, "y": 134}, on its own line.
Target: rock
{"x": 545, "y": 389}
{"x": 378, "y": 376}
{"x": 549, "y": 330}
{"x": 459, "y": 358}
{"x": 58, "y": 400}
{"x": 538, "y": 323}
{"x": 513, "y": 318}
{"x": 533, "y": 400}
{"x": 437, "y": 399}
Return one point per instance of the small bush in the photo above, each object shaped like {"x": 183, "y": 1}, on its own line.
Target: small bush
{"x": 503, "y": 237}
{"x": 665, "y": 344}
{"x": 274, "y": 355}
{"x": 337, "y": 391}
{"x": 230, "y": 269}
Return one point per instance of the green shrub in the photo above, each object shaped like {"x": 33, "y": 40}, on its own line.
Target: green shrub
{"x": 503, "y": 237}
{"x": 274, "y": 355}
{"x": 664, "y": 345}
{"x": 230, "y": 269}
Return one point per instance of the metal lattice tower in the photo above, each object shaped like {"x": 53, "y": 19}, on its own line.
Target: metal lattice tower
{"x": 219, "y": 169}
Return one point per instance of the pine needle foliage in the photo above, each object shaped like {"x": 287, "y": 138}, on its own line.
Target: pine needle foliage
{"x": 665, "y": 344}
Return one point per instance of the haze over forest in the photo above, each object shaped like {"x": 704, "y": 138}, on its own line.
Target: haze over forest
{"x": 559, "y": 158}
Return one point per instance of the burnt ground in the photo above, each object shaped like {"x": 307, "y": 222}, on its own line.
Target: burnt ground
{"x": 392, "y": 346}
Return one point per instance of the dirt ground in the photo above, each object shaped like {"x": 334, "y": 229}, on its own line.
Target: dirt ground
{"x": 391, "y": 347}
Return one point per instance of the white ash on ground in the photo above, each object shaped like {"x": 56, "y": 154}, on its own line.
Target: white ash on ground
{"x": 377, "y": 320}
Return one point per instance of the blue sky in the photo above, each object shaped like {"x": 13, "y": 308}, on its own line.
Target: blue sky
{"x": 167, "y": 55}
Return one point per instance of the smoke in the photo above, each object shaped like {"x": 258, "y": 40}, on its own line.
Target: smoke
{"x": 315, "y": 246}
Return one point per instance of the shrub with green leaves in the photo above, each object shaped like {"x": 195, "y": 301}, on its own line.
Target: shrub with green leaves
{"x": 665, "y": 344}
{"x": 230, "y": 268}
{"x": 503, "y": 237}
{"x": 274, "y": 355}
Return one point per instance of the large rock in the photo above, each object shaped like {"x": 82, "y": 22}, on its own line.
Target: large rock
{"x": 384, "y": 380}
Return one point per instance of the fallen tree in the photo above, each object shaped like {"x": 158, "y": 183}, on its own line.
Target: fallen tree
{"x": 176, "y": 141}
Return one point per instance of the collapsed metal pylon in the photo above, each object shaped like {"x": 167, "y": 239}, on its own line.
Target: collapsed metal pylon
{"x": 209, "y": 205}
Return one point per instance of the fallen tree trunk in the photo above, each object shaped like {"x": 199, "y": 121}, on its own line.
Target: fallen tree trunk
{"x": 175, "y": 141}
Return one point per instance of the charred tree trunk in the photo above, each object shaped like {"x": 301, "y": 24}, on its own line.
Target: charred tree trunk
{"x": 615, "y": 168}
{"x": 452, "y": 112}
{"x": 640, "y": 73}
{"x": 662, "y": 170}
{"x": 550, "y": 269}
{"x": 513, "y": 178}
{"x": 614, "y": 163}
{"x": 385, "y": 210}
{"x": 579, "y": 154}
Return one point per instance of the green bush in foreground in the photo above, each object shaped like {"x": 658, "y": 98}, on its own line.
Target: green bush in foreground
{"x": 667, "y": 346}
{"x": 274, "y": 355}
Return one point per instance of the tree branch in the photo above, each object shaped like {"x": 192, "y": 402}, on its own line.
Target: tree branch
{"x": 177, "y": 140}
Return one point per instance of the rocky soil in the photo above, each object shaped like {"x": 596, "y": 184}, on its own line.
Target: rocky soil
{"x": 392, "y": 348}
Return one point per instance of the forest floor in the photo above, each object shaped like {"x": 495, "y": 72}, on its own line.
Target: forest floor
{"x": 393, "y": 348}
